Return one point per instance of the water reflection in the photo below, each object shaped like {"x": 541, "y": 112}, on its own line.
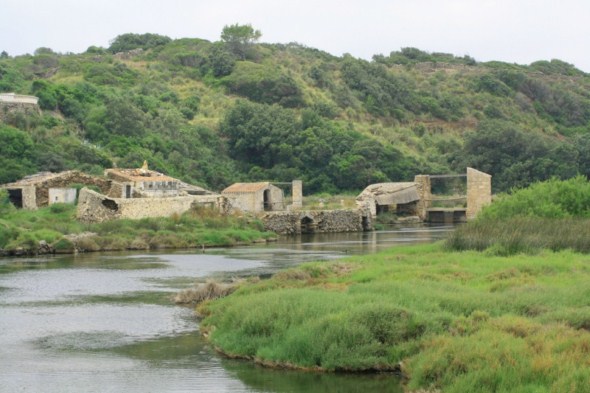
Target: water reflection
{"x": 104, "y": 322}
{"x": 264, "y": 380}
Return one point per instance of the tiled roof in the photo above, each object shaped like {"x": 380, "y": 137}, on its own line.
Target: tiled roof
{"x": 246, "y": 187}
{"x": 37, "y": 178}
{"x": 140, "y": 175}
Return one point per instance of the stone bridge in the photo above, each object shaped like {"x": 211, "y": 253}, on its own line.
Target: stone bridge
{"x": 317, "y": 221}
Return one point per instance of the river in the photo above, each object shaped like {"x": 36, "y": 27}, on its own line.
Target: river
{"x": 104, "y": 322}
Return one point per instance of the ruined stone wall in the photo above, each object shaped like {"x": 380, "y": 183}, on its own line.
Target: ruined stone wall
{"x": 289, "y": 223}
{"x": 64, "y": 181}
{"x": 95, "y": 207}
{"x": 117, "y": 190}
{"x": 154, "y": 207}
{"x": 244, "y": 201}
{"x": 479, "y": 191}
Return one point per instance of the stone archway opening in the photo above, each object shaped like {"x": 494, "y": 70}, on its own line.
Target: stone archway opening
{"x": 308, "y": 225}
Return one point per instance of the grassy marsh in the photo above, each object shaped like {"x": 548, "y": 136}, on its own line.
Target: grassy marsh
{"x": 455, "y": 321}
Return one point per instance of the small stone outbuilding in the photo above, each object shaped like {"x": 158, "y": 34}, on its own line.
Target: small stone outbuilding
{"x": 255, "y": 197}
{"x": 46, "y": 188}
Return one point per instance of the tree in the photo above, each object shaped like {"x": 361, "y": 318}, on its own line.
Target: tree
{"x": 130, "y": 41}
{"x": 221, "y": 60}
{"x": 240, "y": 39}
{"x": 16, "y": 153}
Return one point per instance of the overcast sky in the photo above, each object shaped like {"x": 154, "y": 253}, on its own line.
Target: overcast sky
{"x": 515, "y": 31}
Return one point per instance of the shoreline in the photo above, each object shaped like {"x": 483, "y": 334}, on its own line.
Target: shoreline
{"x": 46, "y": 249}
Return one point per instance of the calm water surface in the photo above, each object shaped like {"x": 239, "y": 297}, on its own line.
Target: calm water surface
{"x": 105, "y": 322}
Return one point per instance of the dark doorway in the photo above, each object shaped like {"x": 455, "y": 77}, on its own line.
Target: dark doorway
{"x": 16, "y": 197}
{"x": 267, "y": 201}
{"x": 366, "y": 223}
{"x": 381, "y": 209}
{"x": 127, "y": 191}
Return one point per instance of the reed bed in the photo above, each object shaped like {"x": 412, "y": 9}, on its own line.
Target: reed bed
{"x": 522, "y": 235}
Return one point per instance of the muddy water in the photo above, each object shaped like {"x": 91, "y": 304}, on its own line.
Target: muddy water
{"x": 105, "y": 323}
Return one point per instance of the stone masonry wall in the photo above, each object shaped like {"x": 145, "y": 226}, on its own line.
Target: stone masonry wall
{"x": 245, "y": 201}
{"x": 289, "y": 223}
{"x": 95, "y": 207}
{"x": 425, "y": 194}
{"x": 479, "y": 191}
{"x": 65, "y": 180}
{"x": 29, "y": 198}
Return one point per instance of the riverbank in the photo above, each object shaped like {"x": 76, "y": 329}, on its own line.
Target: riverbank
{"x": 54, "y": 229}
{"x": 450, "y": 321}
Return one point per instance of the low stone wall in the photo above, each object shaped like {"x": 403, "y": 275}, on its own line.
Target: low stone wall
{"x": 312, "y": 221}
{"x": 95, "y": 207}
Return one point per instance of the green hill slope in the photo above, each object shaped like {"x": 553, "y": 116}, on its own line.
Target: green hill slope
{"x": 212, "y": 113}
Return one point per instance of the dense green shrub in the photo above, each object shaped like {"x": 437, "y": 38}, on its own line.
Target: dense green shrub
{"x": 549, "y": 215}
{"x": 550, "y": 199}
{"x": 263, "y": 84}
{"x": 129, "y": 41}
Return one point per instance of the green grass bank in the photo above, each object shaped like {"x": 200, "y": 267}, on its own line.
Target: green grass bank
{"x": 450, "y": 321}
{"x": 22, "y": 231}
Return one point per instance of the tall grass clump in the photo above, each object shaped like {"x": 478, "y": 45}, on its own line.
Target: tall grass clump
{"x": 551, "y": 215}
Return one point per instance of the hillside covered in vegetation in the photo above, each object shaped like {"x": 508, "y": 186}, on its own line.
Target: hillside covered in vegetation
{"x": 212, "y": 113}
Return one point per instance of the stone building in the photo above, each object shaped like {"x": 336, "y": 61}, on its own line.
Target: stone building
{"x": 13, "y": 98}
{"x": 12, "y": 104}
{"x": 46, "y": 188}
{"x": 140, "y": 193}
{"x": 399, "y": 198}
{"x": 145, "y": 183}
{"x": 255, "y": 197}
{"x": 141, "y": 183}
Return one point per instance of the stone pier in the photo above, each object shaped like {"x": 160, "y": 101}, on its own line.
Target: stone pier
{"x": 297, "y": 194}
{"x": 479, "y": 191}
